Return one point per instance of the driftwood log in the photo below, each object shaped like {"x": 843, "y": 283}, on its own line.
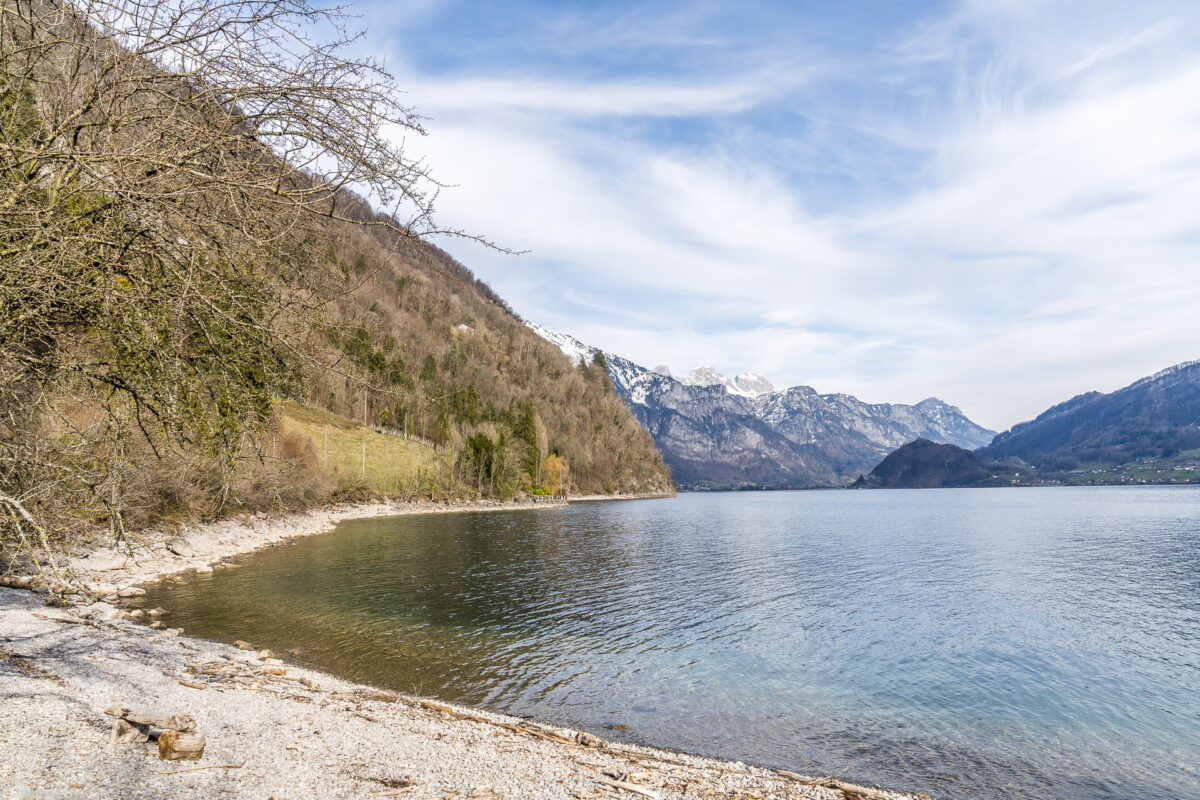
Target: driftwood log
{"x": 180, "y": 745}
{"x": 848, "y": 789}
{"x": 127, "y": 733}
{"x": 628, "y": 787}
{"x": 20, "y": 581}
{"x": 177, "y": 737}
{"x": 166, "y": 722}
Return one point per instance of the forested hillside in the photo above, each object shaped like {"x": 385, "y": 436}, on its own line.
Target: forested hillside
{"x": 1157, "y": 417}
{"x": 424, "y": 349}
{"x": 183, "y": 254}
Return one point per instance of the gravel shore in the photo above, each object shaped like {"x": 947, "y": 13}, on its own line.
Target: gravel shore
{"x": 200, "y": 547}
{"x": 278, "y": 731}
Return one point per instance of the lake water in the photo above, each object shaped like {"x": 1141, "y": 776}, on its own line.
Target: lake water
{"x": 971, "y": 643}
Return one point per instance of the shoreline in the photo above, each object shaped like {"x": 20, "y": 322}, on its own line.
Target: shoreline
{"x": 281, "y": 731}
{"x": 594, "y": 498}
{"x": 201, "y": 547}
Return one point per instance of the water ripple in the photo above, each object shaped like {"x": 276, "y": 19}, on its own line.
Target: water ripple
{"x": 968, "y": 643}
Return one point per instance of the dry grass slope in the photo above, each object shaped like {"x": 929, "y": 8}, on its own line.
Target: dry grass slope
{"x": 353, "y": 456}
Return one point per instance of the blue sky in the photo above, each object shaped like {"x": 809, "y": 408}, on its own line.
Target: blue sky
{"x": 994, "y": 202}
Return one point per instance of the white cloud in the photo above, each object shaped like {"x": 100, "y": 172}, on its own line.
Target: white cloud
{"x": 1047, "y": 245}
{"x": 651, "y": 98}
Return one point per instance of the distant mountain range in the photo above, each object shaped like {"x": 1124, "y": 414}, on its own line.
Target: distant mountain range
{"x": 1155, "y": 417}
{"x": 1148, "y": 432}
{"x": 720, "y": 432}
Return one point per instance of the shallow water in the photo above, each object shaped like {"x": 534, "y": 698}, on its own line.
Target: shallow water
{"x": 1041, "y": 643}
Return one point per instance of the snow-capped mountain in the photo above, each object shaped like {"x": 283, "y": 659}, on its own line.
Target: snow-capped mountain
{"x": 747, "y": 384}
{"x": 717, "y": 431}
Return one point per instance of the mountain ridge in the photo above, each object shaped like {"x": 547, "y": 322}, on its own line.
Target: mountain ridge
{"x": 1146, "y": 432}
{"x": 712, "y": 437}
{"x": 1154, "y": 416}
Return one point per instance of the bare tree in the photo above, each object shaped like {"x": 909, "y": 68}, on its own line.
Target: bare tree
{"x": 166, "y": 170}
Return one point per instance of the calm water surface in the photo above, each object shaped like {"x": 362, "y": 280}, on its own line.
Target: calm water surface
{"x": 1041, "y": 643}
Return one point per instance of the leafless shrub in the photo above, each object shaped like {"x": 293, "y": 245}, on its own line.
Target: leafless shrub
{"x": 166, "y": 170}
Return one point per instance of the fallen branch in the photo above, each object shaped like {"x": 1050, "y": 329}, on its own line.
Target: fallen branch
{"x": 832, "y": 782}
{"x": 64, "y": 620}
{"x": 206, "y": 766}
{"x": 629, "y": 787}
{"x": 20, "y": 519}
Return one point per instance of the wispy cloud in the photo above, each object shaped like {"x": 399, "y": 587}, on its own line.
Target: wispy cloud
{"x": 992, "y": 204}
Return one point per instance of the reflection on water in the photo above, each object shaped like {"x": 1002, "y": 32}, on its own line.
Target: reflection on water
{"x": 967, "y": 643}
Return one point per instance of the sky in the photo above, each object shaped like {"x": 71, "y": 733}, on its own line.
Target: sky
{"x": 994, "y": 202}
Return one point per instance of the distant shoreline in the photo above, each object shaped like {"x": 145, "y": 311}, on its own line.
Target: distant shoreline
{"x": 592, "y": 498}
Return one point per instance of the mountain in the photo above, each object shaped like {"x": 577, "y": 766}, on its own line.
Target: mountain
{"x": 717, "y": 432}
{"x": 746, "y": 385}
{"x": 1154, "y": 418}
{"x": 922, "y": 464}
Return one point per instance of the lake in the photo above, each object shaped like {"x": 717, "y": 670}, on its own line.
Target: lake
{"x": 969, "y": 643}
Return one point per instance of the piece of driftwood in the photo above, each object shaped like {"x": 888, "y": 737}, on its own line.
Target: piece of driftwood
{"x": 124, "y": 732}
{"x": 522, "y": 728}
{"x": 20, "y": 581}
{"x": 629, "y": 787}
{"x": 206, "y": 766}
{"x": 64, "y": 620}
{"x": 833, "y": 783}
{"x": 180, "y": 745}
{"x": 167, "y": 722}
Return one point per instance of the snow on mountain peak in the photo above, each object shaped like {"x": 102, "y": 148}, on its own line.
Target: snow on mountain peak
{"x": 571, "y": 347}
{"x": 705, "y": 376}
{"x": 754, "y": 384}
{"x": 747, "y": 384}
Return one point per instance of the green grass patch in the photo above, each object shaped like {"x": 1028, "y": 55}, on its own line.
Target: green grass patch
{"x": 353, "y": 455}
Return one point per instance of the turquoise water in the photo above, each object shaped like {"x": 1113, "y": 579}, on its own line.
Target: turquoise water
{"x": 1040, "y": 643}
